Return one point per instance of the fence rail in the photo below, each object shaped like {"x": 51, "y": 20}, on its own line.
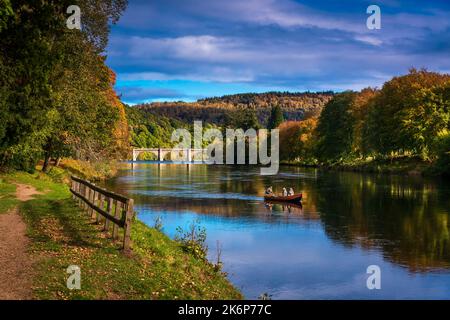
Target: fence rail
{"x": 100, "y": 203}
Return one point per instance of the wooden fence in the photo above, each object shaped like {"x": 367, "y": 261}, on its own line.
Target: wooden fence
{"x": 102, "y": 204}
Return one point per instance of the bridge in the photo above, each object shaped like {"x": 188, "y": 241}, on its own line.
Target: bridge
{"x": 187, "y": 154}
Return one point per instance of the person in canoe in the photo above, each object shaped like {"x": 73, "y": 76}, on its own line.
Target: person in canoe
{"x": 284, "y": 196}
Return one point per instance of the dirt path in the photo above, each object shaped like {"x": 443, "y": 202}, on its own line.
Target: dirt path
{"x": 25, "y": 192}
{"x": 15, "y": 262}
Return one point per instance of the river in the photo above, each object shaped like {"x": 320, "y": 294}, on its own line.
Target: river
{"x": 322, "y": 250}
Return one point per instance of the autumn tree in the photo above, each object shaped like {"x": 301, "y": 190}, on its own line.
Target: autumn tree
{"x": 87, "y": 110}
{"x": 398, "y": 108}
{"x": 297, "y": 140}
{"x": 427, "y": 118}
{"x": 39, "y": 59}
{"x": 359, "y": 109}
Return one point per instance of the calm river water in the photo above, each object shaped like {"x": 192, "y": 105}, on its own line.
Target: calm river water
{"x": 320, "y": 251}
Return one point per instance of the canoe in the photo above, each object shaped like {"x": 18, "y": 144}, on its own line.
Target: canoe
{"x": 294, "y": 198}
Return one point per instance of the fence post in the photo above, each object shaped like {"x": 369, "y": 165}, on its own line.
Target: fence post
{"x": 72, "y": 186}
{"x": 101, "y": 204}
{"x": 77, "y": 189}
{"x": 127, "y": 227}
{"x": 109, "y": 210}
{"x": 117, "y": 211}
{"x": 87, "y": 194}
{"x": 92, "y": 199}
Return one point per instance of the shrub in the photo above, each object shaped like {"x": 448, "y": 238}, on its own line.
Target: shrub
{"x": 193, "y": 240}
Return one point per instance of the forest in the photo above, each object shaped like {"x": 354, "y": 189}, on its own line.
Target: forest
{"x": 56, "y": 92}
{"x": 296, "y": 106}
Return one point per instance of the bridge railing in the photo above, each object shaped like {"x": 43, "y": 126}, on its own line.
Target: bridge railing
{"x": 101, "y": 204}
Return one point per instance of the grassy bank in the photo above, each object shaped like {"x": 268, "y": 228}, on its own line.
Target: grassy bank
{"x": 403, "y": 166}
{"x": 93, "y": 171}
{"x": 62, "y": 235}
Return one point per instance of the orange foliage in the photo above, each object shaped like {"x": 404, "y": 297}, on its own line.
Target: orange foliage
{"x": 296, "y": 139}
{"x": 121, "y": 130}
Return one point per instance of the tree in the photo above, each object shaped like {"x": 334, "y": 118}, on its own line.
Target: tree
{"x": 335, "y": 128}
{"x": 359, "y": 109}
{"x": 88, "y": 111}
{"x": 297, "y": 140}
{"x": 43, "y": 63}
{"x": 243, "y": 118}
{"x": 276, "y": 117}
{"x": 427, "y": 118}
{"x": 389, "y": 126}
{"x": 27, "y": 60}
{"x": 442, "y": 150}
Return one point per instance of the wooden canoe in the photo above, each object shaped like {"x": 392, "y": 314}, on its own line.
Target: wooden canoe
{"x": 294, "y": 198}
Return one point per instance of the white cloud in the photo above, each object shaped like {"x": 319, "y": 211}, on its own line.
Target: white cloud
{"x": 213, "y": 74}
{"x": 370, "y": 40}
{"x": 203, "y": 47}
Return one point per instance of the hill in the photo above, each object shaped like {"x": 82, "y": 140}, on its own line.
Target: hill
{"x": 295, "y": 106}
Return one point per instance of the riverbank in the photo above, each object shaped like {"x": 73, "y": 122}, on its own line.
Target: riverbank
{"x": 400, "y": 166}
{"x": 60, "y": 235}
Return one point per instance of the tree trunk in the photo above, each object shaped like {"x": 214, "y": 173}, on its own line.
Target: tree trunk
{"x": 46, "y": 162}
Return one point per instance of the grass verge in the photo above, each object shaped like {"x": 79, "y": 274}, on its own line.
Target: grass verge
{"x": 93, "y": 171}
{"x": 400, "y": 165}
{"x": 62, "y": 235}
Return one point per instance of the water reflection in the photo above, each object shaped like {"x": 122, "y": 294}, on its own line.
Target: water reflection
{"x": 289, "y": 208}
{"x": 319, "y": 249}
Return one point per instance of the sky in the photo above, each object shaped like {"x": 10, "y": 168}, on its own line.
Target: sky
{"x": 170, "y": 50}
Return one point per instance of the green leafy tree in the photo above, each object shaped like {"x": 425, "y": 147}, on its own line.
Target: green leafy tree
{"x": 359, "y": 110}
{"x": 442, "y": 150}
{"x": 335, "y": 128}
{"x": 86, "y": 116}
{"x": 243, "y": 118}
{"x": 43, "y": 64}
{"x": 27, "y": 39}
{"x": 276, "y": 117}
{"x": 397, "y": 109}
{"x": 427, "y": 118}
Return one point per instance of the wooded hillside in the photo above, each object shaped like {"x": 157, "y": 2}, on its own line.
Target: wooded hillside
{"x": 295, "y": 106}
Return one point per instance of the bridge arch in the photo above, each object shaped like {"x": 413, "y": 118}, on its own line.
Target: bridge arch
{"x": 161, "y": 154}
{"x": 146, "y": 156}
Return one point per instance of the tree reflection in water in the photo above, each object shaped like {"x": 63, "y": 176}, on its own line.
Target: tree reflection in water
{"x": 406, "y": 218}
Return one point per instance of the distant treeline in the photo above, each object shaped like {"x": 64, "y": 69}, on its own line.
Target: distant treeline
{"x": 56, "y": 92}
{"x": 295, "y": 106}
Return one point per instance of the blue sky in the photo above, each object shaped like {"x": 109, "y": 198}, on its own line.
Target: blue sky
{"x": 165, "y": 50}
